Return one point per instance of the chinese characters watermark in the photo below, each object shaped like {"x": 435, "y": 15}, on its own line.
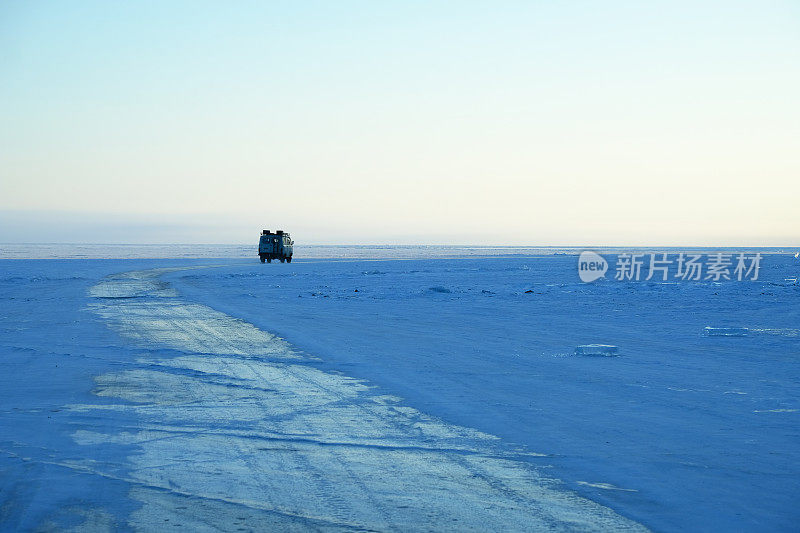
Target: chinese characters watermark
{"x": 671, "y": 267}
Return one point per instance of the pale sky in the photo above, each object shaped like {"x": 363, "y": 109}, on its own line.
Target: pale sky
{"x": 529, "y": 123}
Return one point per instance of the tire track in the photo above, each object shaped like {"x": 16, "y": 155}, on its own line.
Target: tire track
{"x": 230, "y": 413}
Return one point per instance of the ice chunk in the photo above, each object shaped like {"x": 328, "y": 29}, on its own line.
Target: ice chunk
{"x": 441, "y": 289}
{"x": 606, "y": 350}
{"x": 725, "y": 332}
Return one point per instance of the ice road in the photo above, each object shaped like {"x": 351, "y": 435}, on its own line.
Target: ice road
{"x": 237, "y": 430}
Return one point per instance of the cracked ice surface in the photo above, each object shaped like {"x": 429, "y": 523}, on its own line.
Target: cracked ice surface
{"x": 242, "y": 431}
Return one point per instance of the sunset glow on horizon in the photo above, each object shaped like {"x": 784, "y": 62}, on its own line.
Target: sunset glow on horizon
{"x": 671, "y": 123}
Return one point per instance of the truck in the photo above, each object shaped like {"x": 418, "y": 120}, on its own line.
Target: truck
{"x": 278, "y": 245}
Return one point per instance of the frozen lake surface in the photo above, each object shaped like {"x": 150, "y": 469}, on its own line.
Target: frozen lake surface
{"x": 331, "y": 252}
{"x": 349, "y": 392}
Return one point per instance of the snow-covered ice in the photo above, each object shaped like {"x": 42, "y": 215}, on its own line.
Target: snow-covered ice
{"x": 393, "y": 395}
{"x": 318, "y": 447}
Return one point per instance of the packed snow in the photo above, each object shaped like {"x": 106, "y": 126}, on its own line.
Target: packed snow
{"x": 440, "y": 393}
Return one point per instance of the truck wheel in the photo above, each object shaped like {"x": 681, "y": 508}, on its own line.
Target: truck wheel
{"x": 282, "y": 259}
{"x": 269, "y": 260}
{"x": 288, "y": 259}
{"x": 262, "y": 258}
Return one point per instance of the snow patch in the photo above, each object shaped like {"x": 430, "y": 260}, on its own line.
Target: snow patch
{"x": 709, "y": 331}
{"x": 146, "y": 309}
{"x": 604, "y": 486}
{"x": 783, "y": 332}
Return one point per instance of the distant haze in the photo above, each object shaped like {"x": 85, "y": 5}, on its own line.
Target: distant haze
{"x": 540, "y": 123}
